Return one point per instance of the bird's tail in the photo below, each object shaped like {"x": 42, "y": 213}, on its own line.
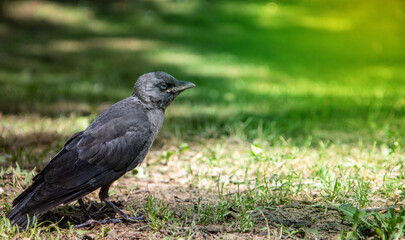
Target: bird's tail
{"x": 32, "y": 203}
{"x": 39, "y": 198}
{"x": 21, "y": 214}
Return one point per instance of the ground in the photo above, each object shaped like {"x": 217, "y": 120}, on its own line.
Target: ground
{"x": 298, "y": 218}
{"x": 187, "y": 193}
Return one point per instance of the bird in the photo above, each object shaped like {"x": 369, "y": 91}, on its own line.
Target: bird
{"x": 116, "y": 142}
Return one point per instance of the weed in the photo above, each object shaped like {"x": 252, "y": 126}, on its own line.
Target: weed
{"x": 389, "y": 225}
{"x": 159, "y": 213}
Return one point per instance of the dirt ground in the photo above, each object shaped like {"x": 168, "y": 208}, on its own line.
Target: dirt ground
{"x": 299, "y": 219}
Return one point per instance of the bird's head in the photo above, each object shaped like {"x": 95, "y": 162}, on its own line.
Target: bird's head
{"x": 158, "y": 89}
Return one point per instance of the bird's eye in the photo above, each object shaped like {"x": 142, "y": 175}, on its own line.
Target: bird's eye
{"x": 163, "y": 86}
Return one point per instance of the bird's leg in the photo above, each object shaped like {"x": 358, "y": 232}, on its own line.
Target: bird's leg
{"x": 104, "y": 197}
{"x": 90, "y": 221}
{"x": 124, "y": 216}
{"x": 103, "y": 194}
{"x": 91, "y": 204}
{"x": 83, "y": 208}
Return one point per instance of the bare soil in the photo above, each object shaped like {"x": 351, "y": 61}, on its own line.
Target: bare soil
{"x": 304, "y": 219}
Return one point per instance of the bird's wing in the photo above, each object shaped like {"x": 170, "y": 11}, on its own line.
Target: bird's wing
{"x": 91, "y": 159}
{"x": 108, "y": 148}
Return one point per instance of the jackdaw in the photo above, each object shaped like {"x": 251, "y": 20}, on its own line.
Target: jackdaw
{"x": 114, "y": 143}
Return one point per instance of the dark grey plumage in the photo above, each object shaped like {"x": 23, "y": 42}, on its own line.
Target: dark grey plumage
{"x": 114, "y": 143}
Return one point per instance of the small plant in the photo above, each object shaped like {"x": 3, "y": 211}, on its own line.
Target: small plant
{"x": 364, "y": 193}
{"x": 390, "y": 225}
{"x": 37, "y": 231}
{"x": 214, "y": 213}
{"x": 387, "y": 226}
{"x": 158, "y": 212}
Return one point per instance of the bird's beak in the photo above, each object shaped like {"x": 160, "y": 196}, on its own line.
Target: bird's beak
{"x": 181, "y": 86}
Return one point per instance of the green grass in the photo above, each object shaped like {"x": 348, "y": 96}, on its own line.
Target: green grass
{"x": 296, "y": 101}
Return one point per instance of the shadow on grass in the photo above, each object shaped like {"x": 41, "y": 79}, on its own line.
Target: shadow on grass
{"x": 62, "y": 53}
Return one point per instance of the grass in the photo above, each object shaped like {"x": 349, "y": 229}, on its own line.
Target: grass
{"x": 299, "y": 108}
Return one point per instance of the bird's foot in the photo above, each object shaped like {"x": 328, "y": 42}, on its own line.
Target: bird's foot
{"x": 92, "y": 222}
{"x": 124, "y": 216}
{"x": 127, "y": 218}
{"x": 91, "y": 205}
{"x": 88, "y": 223}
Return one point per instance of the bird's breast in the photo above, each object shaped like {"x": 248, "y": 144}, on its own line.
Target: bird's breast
{"x": 155, "y": 117}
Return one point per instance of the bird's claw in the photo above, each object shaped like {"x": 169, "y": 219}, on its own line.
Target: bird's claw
{"x": 133, "y": 219}
{"x": 92, "y": 222}
{"x": 88, "y": 223}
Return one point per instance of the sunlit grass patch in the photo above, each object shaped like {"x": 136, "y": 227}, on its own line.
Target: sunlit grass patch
{"x": 58, "y": 14}
{"x": 32, "y": 140}
{"x": 72, "y": 46}
{"x": 267, "y": 177}
{"x": 356, "y": 174}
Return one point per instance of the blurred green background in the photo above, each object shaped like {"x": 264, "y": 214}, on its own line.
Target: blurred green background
{"x": 305, "y": 71}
